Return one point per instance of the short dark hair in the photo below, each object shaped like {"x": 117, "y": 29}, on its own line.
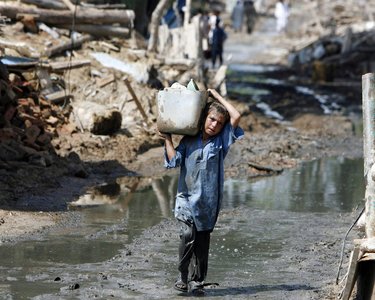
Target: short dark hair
{"x": 217, "y": 106}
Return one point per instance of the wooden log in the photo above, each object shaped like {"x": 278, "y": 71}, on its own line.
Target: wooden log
{"x": 100, "y": 30}
{"x": 69, "y": 45}
{"x": 69, "y": 5}
{"x": 46, "y": 4}
{"x": 83, "y": 16}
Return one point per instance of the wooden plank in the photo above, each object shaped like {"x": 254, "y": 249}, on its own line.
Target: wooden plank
{"x": 352, "y": 274}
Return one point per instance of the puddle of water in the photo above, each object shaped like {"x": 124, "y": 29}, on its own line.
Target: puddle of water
{"x": 323, "y": 186}
{"x": 255, "y": 68}
{"x": 270, "y": 85}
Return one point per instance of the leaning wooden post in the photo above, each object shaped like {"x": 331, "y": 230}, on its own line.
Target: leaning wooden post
{"x": 368, "y": 107}
{"x": 366, "y": 263}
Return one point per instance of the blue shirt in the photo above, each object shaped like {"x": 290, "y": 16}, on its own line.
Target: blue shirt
{"x": 200, "y": 185}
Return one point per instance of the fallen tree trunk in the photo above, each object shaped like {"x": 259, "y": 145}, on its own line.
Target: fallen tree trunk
{"x": 83, "y": 16}
{"x": 100, "y": 30}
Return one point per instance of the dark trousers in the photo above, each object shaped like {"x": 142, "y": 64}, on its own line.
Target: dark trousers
{"x": 217, "y": 52}
{"x": 193, "y": 253}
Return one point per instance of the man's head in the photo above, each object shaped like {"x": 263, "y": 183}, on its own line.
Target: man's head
{"x": 216, "y": 117}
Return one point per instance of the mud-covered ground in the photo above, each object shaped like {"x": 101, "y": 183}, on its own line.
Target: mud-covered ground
{"x": 43, "y": 196}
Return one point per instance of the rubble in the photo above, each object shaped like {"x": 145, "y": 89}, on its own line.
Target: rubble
{"x": 336, "y": 42}
{"x": 61, "y": 99}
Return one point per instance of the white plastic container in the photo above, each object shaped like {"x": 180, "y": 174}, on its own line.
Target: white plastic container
{"x": 180, "y": 110}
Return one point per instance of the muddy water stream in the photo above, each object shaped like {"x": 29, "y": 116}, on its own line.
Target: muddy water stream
{"x": 126, "y": 246}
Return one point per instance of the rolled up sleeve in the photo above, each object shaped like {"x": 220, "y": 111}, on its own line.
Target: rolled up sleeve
{"x": 230, "y": 135}
{"x": 174, "y": 162}
{"x": 177, "y": 159}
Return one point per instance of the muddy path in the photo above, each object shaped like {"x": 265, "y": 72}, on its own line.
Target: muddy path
{"x": 309, "y": 243}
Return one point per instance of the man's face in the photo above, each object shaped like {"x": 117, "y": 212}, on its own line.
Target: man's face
{"x": 214, "y": 123}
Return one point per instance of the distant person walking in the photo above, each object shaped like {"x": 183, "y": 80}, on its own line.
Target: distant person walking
{"x": 281, "y": 14}
{"x": 250, "y": 15}
{"x": 217, "y": 45}
{"x": 237, "y": 16}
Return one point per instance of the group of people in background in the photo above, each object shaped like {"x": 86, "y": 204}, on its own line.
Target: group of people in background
{"x": 243, "y": 13}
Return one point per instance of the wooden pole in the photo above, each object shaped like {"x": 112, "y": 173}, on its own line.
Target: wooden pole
{"x": 368, "y": 106}
{"x": 135, "y": 98}
{"x": 366, "y": 269}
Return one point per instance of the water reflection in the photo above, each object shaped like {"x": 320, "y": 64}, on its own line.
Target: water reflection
{"x": 334, "y": 184}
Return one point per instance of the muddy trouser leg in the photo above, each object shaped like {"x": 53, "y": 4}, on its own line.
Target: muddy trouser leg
{"x": 220, "y": 54}
{"x": 201, "y": 249}
{"x": 186, "y": 249}
{"x": 213, "y": 58}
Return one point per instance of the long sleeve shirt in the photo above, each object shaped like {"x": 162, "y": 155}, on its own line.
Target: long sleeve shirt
{"x": 200, "y": 185}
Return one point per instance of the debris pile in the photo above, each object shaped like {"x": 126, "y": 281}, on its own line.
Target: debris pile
{"x": 337, "y": 43}
{"x": 28, "y": 122}
{"x": 100, "y": 91}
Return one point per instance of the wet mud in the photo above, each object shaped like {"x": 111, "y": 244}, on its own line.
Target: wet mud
{"x": 296, "y": 255}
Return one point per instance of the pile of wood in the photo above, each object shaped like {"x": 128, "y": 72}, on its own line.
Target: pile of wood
{"x": 96, "y": 21}
{"x": 28, "y": 122}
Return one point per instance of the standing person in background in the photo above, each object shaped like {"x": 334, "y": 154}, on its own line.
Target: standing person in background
{"x": 217, "y": 44}
{"x": 250, "y": 15}
{"x": 237, "y": 16}
{"x": 200, "y": 187}
{"x": 281, "y": 14}
{"x": 205, "y": 29}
